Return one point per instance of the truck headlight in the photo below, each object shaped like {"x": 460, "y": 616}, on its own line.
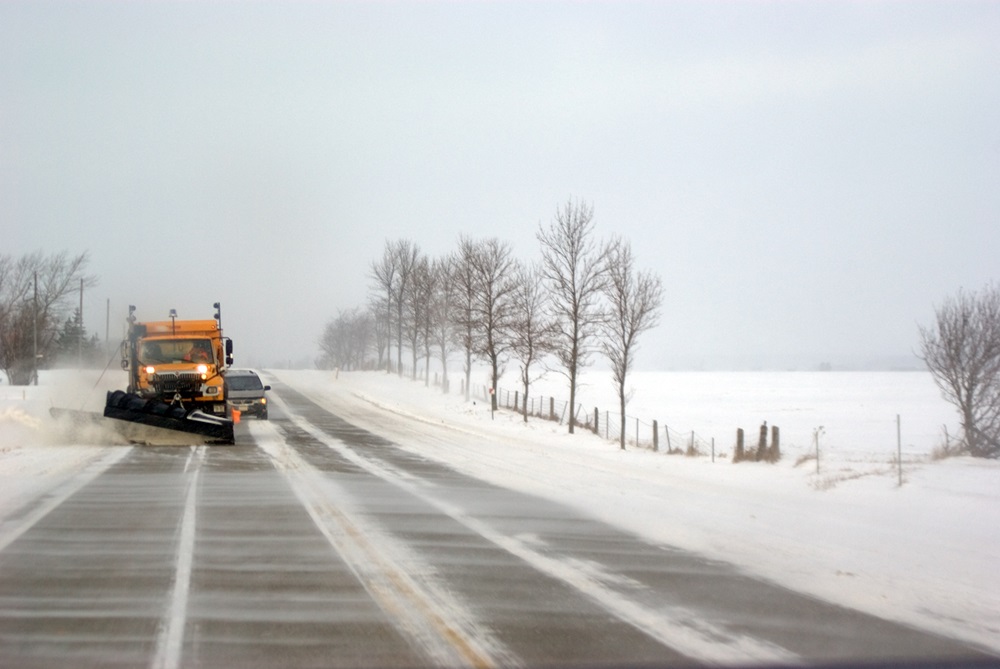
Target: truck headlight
{"x": 212, "y": 390}
{"x": 150, "y": 370}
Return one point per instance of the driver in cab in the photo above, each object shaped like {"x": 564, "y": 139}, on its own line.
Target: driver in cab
{"x": 200, "y": 352}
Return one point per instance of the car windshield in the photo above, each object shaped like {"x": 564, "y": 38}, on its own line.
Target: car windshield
{"x": 244, "y": 382}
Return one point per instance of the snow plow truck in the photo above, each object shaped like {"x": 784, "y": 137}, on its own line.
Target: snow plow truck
{"x": 175, "y": 377}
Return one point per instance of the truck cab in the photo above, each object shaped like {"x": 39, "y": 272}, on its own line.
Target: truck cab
{"x": 178, "y": 362}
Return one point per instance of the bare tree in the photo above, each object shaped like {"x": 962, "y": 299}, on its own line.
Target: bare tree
{"x": 392, "y": 275}
{"x": 962, "y": 351}
{"x": 332, "y": 344}
{"x": 532, "y": 330}
{"x": 493, "y": 267}
{"x": 34, "y": 291}
{"x": 362, "y": 335}
{"x": 444, "y": 295}
{"x": 463, "y": 308}
{"x": 380, "y": 328}
{"x": 574, "y": 268}
{"x": 417, "y": 300}
{"x": 634, "y": 299}
{"x": 347, "y": 339}
{"x": 407, "y": 254}
{"x": 384, "y": 272}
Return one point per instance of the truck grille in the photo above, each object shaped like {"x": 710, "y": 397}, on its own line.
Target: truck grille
{"x": 177, "y": 382}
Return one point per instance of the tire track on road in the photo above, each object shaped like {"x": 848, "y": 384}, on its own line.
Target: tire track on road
{"x": 11, "y": 529}
{"x": 436, "y": 622}
{"x": 677, "y": 628}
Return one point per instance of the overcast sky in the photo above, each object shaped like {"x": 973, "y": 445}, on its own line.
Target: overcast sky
{"x": 809, "y": 178}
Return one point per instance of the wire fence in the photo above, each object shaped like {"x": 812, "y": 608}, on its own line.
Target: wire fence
{"x": 648, "y": 434}
{"x": 638, "y": 433}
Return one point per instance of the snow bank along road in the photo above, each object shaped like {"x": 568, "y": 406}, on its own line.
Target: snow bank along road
{"x": 312, "y": 542}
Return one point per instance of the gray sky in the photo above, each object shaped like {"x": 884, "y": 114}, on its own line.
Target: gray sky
{"x": 808, "y": 178}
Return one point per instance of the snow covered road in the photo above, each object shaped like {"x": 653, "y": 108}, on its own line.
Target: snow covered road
{"x": 317, "y": 542}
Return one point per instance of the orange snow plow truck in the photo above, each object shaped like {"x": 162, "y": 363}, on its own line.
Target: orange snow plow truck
{"x": 175, "y": 372}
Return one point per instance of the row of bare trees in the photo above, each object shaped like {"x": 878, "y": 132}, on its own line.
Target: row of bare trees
{"x": 34, "y": 300}
{"x": 582, "y": 297}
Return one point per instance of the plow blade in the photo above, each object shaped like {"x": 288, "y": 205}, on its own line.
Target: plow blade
{"x": 150, "y": 417}
{"x": 80, "y": 425}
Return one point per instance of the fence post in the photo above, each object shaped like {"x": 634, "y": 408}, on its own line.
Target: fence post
{"x": 656, "y": 436}
{"x": 552, "y": 408}
{"x": 899, "y": 449}
{"x": 816, "y": 434}
{"x": 666, "y": 430}
{"x": 739, "y": 455}
{"x": 762, "y": 443}
{"x": 597, "y": 422}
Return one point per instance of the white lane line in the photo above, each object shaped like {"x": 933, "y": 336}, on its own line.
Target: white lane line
{"x": 399, "y": 581}
{"x": 684, "y": 630}
{"x": 11, "y": 530}
{"x": 171, "y": 638}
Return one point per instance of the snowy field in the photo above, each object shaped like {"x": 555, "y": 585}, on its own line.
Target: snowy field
{"x": 923, "y": 553}
{"x": 856, "y": 410}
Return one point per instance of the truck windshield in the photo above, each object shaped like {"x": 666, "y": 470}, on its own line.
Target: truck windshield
{"x": 163, "y": 351}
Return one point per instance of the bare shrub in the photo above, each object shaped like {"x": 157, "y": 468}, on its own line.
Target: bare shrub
{"x": 803, "y": 459}
{"x": 962, "y": 352}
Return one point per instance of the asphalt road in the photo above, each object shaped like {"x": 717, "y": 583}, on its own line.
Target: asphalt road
{"x": 313, "y": 543}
